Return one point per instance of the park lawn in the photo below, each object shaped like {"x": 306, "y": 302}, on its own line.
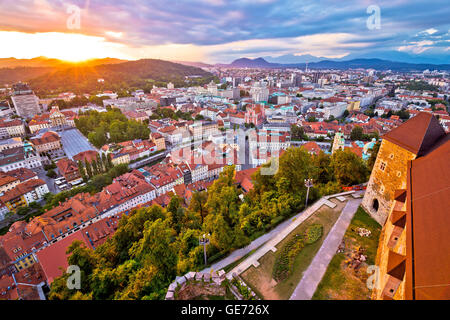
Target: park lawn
{"x": 260, "y": 279}
{"x": 341, "y": 282}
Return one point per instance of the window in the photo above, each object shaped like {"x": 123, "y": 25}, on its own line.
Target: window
{"x": 382, "y": 165}
{"x": 375, "y": 204}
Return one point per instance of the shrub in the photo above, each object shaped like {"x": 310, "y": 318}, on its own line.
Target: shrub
{"x": 313, "y": 233}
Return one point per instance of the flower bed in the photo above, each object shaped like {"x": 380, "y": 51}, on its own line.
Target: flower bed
{"x": 285, "y": 261}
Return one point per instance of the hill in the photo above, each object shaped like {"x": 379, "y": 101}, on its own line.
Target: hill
{"x": 194, "y": 64}
{"x": 12, "y": 75}
{"x": 83, "y": 78}
{"x": 44, "y": 62}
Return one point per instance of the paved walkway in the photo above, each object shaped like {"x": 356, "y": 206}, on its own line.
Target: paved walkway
{"x": 270, "y": 239}
{"x": 273, "y": 234}
{"x": 312, "y": 276}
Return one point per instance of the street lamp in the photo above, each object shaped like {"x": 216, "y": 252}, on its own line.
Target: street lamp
{"x": 204, "y": 241}
{"x": 308, "y": 184}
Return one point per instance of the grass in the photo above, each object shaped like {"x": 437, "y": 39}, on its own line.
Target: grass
{"x": 342, "y": 282}
{"x": 260, "y": 279}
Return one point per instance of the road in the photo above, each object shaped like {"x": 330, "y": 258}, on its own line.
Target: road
{"x": 312, "y": 276}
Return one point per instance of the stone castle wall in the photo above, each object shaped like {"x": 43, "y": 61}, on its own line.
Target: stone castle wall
{"x": 383, "y": 183}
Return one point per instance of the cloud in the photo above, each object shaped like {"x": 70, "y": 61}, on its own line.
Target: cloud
{"x": 222, "y": 28}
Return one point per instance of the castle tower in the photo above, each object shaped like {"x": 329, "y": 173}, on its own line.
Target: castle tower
{"x": 339, "y": 142}
{"x": 402, "y": 144}
{"x": 413, "y": 257}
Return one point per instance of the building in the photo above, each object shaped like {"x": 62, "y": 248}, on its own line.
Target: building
{"x": 7, "y": 182}
{"x": 259, "y": 92}
{"x": 24, "y": 194}
{"x": 20, "y": 157}
{"x": 139, "y": 116}
{"x": 68, "y": 169}
{"x": 57, "y": 118}
{"x": 11, "y": 128}
{"x": 413, "y": 253}
{"x": 312, "y": 147}
{"x": 47, "y": 142}
{"x": 158, "y": 140}
{"x": 339, "y": 142}
{"x": 120, "y": 158}
{"x": 205, "y": 129}
{"x": 25, "y": 102}
{"x": 212, "y": 88}
{"x": 269, "y": 140}
{"x": 37, "y": 124}
{"x": 407, "y": 142}
{"x": 254, "y": 114}
{"x": 11, "y": 143}
{"x": 86, "y": 156}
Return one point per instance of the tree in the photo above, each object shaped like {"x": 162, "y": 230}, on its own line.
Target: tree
{"x": 51, "y": 173}
{"x": 100, "y": 166}
{"x": 97, "y": 137}
{"x": 175, "y": 212}
{"x": 198, "y": 204}
{"x": 104, "y": 162}
{"x": 157, "y": 248}
{"x": 346, "y": 113}
{"x": 100, "y": 181}
{"x": 348, "y": 168}
{"x": 109, "y": 160}
{"x": 357, "y": 133}
{"x": 88, "y": 167}
{"x": 82, "y": 171}
{"x": 322, "y": 162}
{"x": 95, "y": 169}
{"x": 373, "y": 155}
{"x": 298, "y": 133}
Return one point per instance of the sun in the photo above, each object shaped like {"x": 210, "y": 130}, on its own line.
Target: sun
{"x": 71, "y": 47}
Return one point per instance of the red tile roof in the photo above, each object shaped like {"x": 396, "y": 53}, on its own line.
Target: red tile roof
{"x": 53, "y": 259}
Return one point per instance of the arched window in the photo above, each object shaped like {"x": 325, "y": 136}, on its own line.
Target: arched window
{"x": 375, "y": 205}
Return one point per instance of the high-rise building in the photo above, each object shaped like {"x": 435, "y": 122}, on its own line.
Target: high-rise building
{"x": 212, "y": 88}
{"x": 259, "y": 92}
{"x": 25, "y": 102}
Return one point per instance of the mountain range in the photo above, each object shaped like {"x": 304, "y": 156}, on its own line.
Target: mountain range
{"x": 378, "y": 64}
{"x": 391, "y": 55}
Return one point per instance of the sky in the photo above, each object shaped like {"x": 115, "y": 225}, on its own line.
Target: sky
{"x": 213, "y": 31}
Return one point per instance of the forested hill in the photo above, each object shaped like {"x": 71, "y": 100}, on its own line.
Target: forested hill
{"x": 84, "y": 79}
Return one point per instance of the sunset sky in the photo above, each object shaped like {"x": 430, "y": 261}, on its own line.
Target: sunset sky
{"x": 221, "y": 30}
